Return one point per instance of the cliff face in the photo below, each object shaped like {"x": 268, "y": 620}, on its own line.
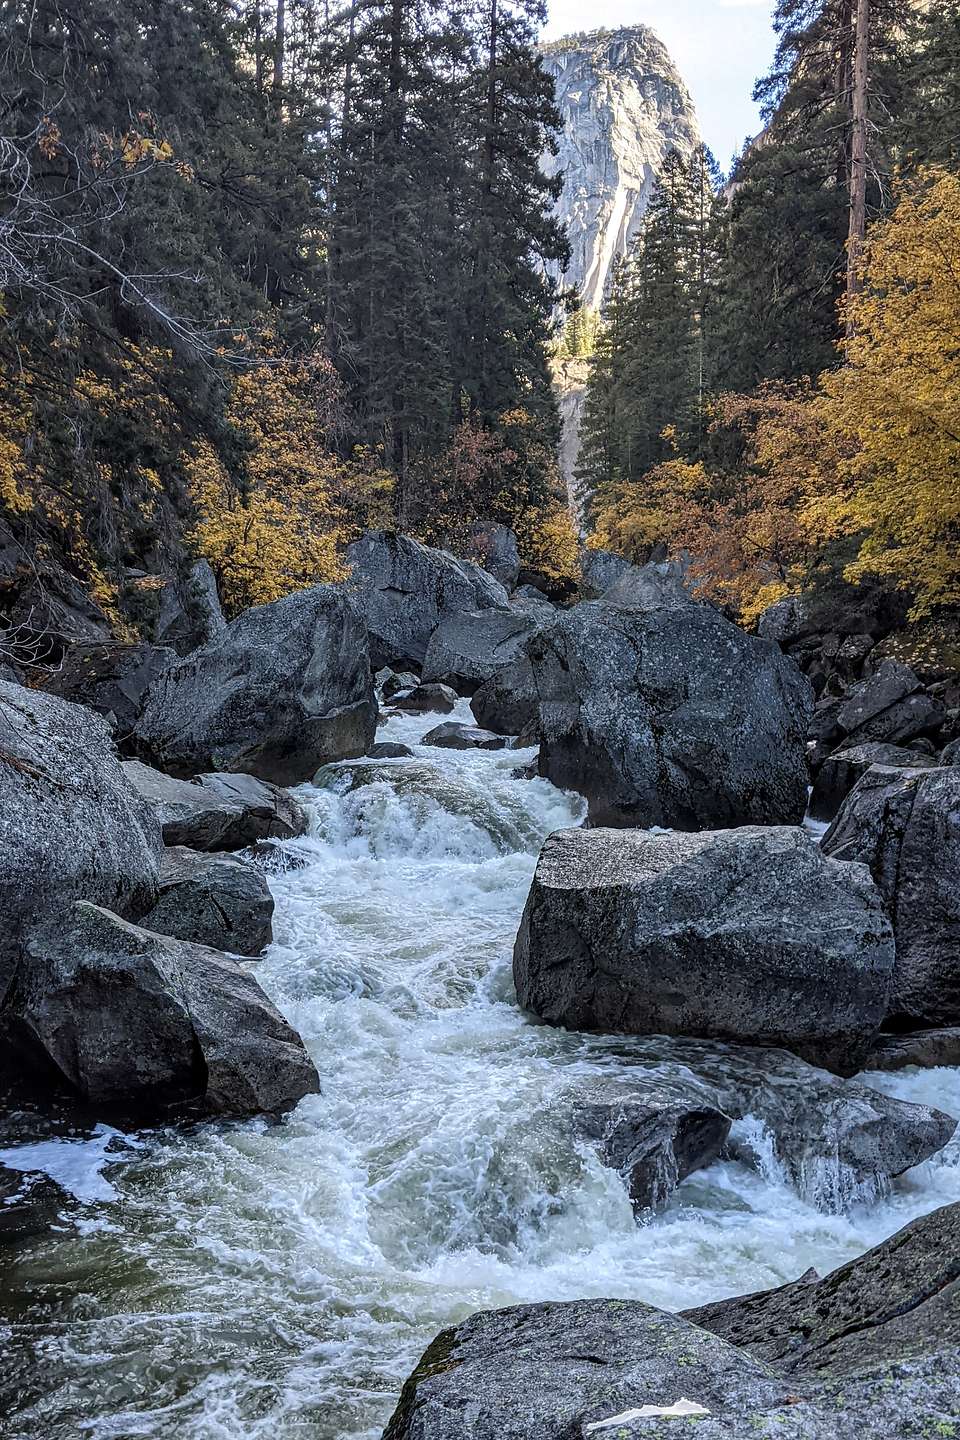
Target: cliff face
{"x": 624, "y": 107}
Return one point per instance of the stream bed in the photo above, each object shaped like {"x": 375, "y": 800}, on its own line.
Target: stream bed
{"x": 263, "y": 1281}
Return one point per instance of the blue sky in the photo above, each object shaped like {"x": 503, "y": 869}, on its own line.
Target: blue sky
{"x": 719, "y": 46}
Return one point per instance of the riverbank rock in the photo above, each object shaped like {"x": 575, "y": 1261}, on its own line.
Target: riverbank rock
{"x": 898, "y": 1302}
{"x": 389, "y": 750}
{"x": 466, "y": 649}
{"x": 454, "y": 736}
{"x": 749, "y": 935}
{"x": 509, "y": 702}
{"x": 494, "y": 548}
{"x": 661, "y": 712}
{"x": 142, "y": 1022}
{"x": 285, "y": 689}
{"x": 216, "y": 900}
{"x": 905, "y": 825}
{"x": 546, "y": 1372}
{"x": 652, "y": 1142}
{"x": 190, "y": 614}
{"x": 842, "y": 770}
{"x": 217, "y": 812}
{"x": 112, "y": 679}
{"x": 404, "y": 589}
{"x": 871, "y": 1352}
{"x": 927, "y": 1049}
{"x": 71, "y": 824}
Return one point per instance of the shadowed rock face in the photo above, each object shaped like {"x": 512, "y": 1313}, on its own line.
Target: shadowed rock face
{"x": 905, "y": 824}
{"x": 624, "y": 107}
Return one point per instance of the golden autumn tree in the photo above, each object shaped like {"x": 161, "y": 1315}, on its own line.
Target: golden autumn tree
{"x": 898, "y": 397}
{"x": 278, "y": 520}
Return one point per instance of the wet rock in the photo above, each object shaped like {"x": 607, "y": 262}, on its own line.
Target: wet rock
{"x": 112, "y": 679}
{"x": 454, "y": 736}
{"x": 926, "y": 1049}
{"x": 652, "y": 1144}
{"x": 545, "y": 1372}
{"x": 394, "y": 683}
{"x": 468, "y": 648}
{"x": 286, "y": 688}
{"x": 838, "y": 1143}
{"x": 494, "y": 548}
{"x": 143, "y": 1022}
{"x": 951, "y": 754}
{"x": 217, "y": 812}
{"x": 427, "y": 698}
{"x": 660, "y": 712}
{"x": 905, "y": 825}
{"x": 749, "y": 935}
{"x": 509, "y": 701}
{"x": 842, "y": 770}
{"x": 190, "y": 613}
{"x": 30, "y": 1204}
{"x": 390, "y": 750}
{"x": 215, "y": 900}
{"x": 71, "y": 824}
{"x": 899, "y": 1301}
{"x": 404, "y": 590}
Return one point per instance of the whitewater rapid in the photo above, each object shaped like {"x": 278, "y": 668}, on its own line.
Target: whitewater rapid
{"x": 262, "y": 1281}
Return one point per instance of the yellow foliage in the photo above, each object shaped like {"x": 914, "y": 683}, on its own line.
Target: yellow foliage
{"x": 550, "y": 542}
{"x": 898, "y": 397}
{"x": 282, "y": 522}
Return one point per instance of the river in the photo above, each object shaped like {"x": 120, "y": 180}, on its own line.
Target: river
{"x": 263, "y": 1281}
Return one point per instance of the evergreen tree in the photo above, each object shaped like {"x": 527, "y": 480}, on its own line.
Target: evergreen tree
{"x": 653, "y": 367}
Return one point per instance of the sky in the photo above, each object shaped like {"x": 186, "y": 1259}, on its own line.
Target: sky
{"x": 719, "y": 47}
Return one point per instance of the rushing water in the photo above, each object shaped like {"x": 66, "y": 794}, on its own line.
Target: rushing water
{"x": 277, "y": 1281}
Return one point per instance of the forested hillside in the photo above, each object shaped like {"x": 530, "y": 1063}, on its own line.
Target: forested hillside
{"x": 775, "y": 386}
{"x": 269, "y": 271}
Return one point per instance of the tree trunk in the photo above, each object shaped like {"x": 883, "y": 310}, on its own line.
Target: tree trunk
{"x": 278, "y": 54}
{"x": 858, "y": 153}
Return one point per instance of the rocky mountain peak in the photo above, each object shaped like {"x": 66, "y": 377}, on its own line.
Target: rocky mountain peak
{"x": 624, "y": 106}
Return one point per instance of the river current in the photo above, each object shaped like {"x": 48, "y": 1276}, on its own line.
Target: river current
{"x": 264, "y": 1281}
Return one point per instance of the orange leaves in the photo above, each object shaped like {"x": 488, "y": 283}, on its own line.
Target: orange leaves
{"x": 50, "y": 138}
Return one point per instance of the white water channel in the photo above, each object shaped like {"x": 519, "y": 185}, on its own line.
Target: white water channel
{"x": 278, "y": 1281}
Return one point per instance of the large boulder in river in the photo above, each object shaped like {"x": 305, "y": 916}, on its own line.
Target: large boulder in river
{"x": 660, "y": 712}
{"x": 216, "y": 900}
{"x": 653, "y": 1143}
{"x": 905, "y": 825}
{"x": 749, "y": 935}
{"x": 217, "y": 812}
{"x": 469, "y": 647}
{"x": 71, "y": 824}
{"x": 285, "y": 689}
{"x": 141, "y": 1021}
{"x": 404, "y": 589}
